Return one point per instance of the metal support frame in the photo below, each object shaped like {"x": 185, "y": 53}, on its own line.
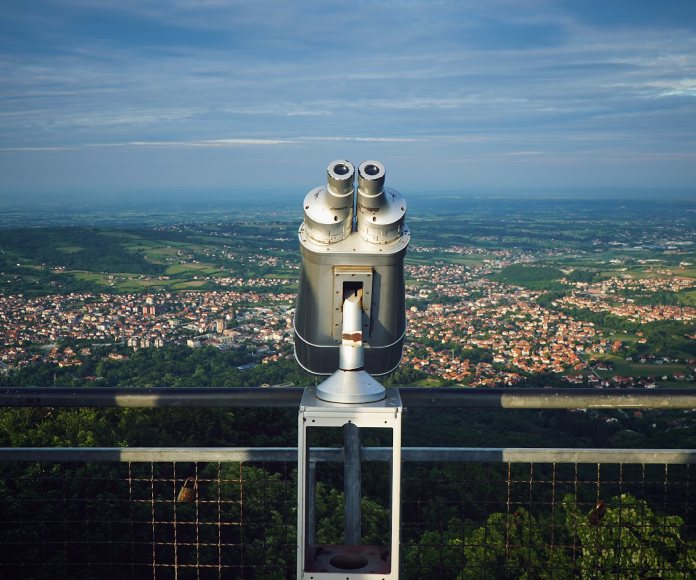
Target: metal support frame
{"x": 352, "y": 475}
{"x": 349, "y": 561}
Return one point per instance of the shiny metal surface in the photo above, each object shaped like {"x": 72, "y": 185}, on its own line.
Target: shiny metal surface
{"x": 337, "y": 261}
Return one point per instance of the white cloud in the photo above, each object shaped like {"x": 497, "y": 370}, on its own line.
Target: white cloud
{"x": 233, "y": 142}
{"x": 38, "y": 149}
{"x": 365, "y": 139}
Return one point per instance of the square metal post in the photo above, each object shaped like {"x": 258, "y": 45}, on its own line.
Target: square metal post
{"x": 347, "y": 562}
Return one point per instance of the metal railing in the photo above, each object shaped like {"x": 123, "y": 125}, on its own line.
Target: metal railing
{"x": 289, "y": 397}
{"x": 466, "y": 512}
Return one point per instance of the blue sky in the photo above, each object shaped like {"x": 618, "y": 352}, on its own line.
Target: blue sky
{"x": 101, "y": 97}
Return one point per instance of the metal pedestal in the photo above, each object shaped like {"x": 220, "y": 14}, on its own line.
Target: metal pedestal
{"x": 348, "y": 561}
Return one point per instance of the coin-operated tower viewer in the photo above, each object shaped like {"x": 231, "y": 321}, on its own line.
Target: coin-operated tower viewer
{"x": 351, "y": 312}
{"x": 350, "y": 323}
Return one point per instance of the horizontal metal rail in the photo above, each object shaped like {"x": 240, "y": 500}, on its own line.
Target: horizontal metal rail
{"x": 289, "y": 397}
{"x": 408, "y": 454}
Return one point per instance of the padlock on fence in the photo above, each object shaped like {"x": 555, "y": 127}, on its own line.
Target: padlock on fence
{"x": 187, "y": 493}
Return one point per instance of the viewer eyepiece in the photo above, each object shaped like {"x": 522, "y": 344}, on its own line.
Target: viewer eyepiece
{"x": 340, "y": 177}
{"x": 371, "y": 178}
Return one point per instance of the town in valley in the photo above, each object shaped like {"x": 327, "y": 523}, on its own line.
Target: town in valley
{"x": 499, "y": 294}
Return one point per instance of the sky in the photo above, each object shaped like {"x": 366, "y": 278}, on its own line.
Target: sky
{"x": 104, "y": 98}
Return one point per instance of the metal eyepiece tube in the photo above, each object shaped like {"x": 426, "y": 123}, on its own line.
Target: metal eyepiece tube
{"x": 340, "y": 177}
{"x": 370, "y": 181}
{"x": 328, "y": 210}
{"x": 380, "y": 211}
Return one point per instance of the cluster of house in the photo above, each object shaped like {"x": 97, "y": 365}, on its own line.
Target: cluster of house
{"x": 456, "y": 312}
{"x": 521, "y": 336}
{"x": 219, "y": 318}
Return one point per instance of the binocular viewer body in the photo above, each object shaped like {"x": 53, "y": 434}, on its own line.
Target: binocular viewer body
{"x": 352, "y": 244}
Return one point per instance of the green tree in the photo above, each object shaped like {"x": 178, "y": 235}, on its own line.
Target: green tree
{"x": 626, "y": 539}
{"x": 623, "y": 538}
{"x": 511, "y": 545}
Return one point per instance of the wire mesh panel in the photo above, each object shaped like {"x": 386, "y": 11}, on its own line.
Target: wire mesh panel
{"x": 549, "y": 521}
{"x": 460, "y": 519}
{"x": 151, "y": 520}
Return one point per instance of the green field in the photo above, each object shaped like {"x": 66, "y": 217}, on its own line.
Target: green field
{"x": 626, "y": 368}
{"x": 475, "y": 259}
{"x": 70, "y": 259}
{"x": 688, "y": 298}
{"x": 188, "y": 285}
{"x": 70, "y": 249}
{"x": 191, "y": 268}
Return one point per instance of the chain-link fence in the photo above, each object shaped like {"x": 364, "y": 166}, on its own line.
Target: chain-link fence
{"x": 461, "y": 518}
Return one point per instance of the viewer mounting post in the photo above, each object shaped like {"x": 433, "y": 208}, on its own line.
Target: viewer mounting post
{"x": 350, "y": 323}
